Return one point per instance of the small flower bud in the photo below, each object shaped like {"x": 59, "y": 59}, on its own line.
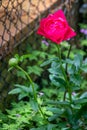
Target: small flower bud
{"x": 13, "y": 62}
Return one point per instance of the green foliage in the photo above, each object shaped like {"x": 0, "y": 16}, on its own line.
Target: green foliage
{"x": 24, "y": 116}
{"x": 54, "y": 102}
{"x": 22, "y": 90}
{"x": 35, "y": 70}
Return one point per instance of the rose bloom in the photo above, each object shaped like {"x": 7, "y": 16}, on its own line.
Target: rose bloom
{"x": 55, "y": 27}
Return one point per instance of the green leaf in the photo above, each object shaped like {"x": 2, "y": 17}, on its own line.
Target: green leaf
{"x": 34, "y": 105}
{"x": 83, "y": 25}
{"x": 80, "y": 101}
{"x": 78, "y": 60}
{"x": 22, "y": 95}
{"x": 57, "y": 81}
{"x": 35, "y": 69}
{"x": 23, "y": 57}
{"x": 61, "y": 81}
{"x": 49, "y": 61}
{"x": 43, "y": 55}
{"x": 40, "y": 128}
{"x": 71, "y": 70}
{"x": 84, "y": 42}
{"x": 55, "y": 110}
{"x": 22, "y": 90}
{"x": 76, "y": 79}
{"x": 65, "y": 103}
{"x": 56, "y": 71}
{"x": 22, "y": 87}
{"x": 76, "y": 106}
{"x": 65, "y": 44}
{"x": 54, "y": 117}
{"x": 68, "y": 61}
{"x": 65, "y": 129}
{"x": 15, "y": 91}
{"x": 10, "y": 69}
{"x": 83, "y": 95}
{"x": 51, "y": 126}
{"x": 17, "y": 57}
{"x": 84, "y": 68}
{"x": 21, "y": 74}
{"x": 55, "y": 63}
{"x": 55, "y": 68}
{"x": 54, "y": 82}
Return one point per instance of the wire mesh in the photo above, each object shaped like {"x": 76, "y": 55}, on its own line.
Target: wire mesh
{"x": 18, "y": 18}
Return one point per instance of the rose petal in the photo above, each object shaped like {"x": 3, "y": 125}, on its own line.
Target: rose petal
{"x": 55, "y": 27}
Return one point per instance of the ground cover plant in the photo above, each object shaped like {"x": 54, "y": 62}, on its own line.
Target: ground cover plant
{"x": 59, "y": 100}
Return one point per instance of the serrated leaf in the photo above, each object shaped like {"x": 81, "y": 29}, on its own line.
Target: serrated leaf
{"x": 21, "y": 74}
{"x": 34, "y": 69}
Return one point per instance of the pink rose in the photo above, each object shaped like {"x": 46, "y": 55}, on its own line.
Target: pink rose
{"x": 55, "y": 27}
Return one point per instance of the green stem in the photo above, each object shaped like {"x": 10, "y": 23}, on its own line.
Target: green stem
{"x": 35, "y": 96}
{"x": 68, "y": 54}
{"x": 68, "y": 86}
{"x": 66, "y": 69}
{"x": 59, "y": 52}
{"x": 34, "y": 92}
{"x": 65, "y": 76}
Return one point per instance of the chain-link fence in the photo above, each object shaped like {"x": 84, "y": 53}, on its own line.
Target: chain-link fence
{"x": 18, "y": 20}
